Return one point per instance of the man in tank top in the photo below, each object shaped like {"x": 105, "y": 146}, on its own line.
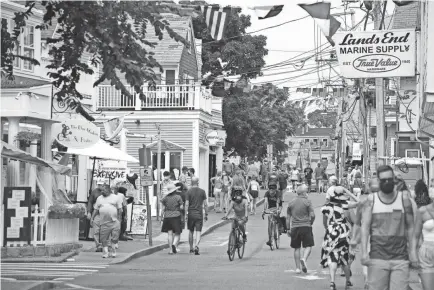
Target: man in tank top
{"x": 388, "y": 220}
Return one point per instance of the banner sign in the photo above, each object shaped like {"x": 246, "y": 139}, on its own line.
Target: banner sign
{"x": 367, "y": 54}
{"x": 17, "y": 215}
{"x": 78, "y": 134}
{"x": 110, "y": 172}
{"x": 216, "y": 138}
{"x": 357, "y": 151}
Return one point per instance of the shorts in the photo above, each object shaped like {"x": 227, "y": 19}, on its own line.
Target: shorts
{"x": 172, "y": 224}
{"x": 254, "y": 193}
{"x": 302, "y": 236}
{"x": 426, "y": 257}
{"x": 194, "y": 223}
{"x": 109, "y": 228}
{"x": 217, "y": 192}
{"x": 309, "y": 181}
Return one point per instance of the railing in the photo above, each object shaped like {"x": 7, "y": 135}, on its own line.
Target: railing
{"x": 178, "y": 96}
{"x": 38, "y": 227}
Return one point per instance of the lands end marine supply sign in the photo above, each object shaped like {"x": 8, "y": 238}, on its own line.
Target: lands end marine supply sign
{"x": 376, "y": 54}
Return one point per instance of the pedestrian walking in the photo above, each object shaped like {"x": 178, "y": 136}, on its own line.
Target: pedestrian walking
{"x": 336, "y": 248}
{"x": 299, "y": 221}
{"x": 264, "y": 173}
{"x": 283, "y": 181}
{"x": 424, "y": 228}
{"x": 90, "y": 209}
{"x": 388, "y": 219}
{"x": 228, "y": 167}
{"x": 319, "y": 171}
{"x": 196, "y": 204}
{"x": 122, "y": 192}
{"x": 108, "y": 207}
{"x": 227, "y": 187}
{"x": 252, "y": 170}
{"x": 217, "y": 183}
{"x": 185, "y": 178}
{"x": 253, "y": 191}
{"x": 183, "y": 194}
{"x": 172, "y": 206}
{"x": 308, "y": 177}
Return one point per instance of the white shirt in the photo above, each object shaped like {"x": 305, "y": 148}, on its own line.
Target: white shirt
{"x": 294, "y": 174}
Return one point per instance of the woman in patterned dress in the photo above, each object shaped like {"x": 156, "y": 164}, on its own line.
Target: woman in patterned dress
{"x": 336, "y": 249}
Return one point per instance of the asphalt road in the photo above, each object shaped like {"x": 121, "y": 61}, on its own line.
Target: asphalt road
{"x": 260, "y": 268}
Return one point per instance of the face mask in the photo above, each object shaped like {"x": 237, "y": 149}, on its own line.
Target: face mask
{"x": 431, "y": 193}
{"x": 387, "y": 185}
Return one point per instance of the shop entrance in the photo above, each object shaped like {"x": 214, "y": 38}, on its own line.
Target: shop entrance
{"x": 212, "y": 172}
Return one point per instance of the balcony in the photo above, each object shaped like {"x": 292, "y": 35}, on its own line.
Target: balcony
{"x": 160, "y": 97}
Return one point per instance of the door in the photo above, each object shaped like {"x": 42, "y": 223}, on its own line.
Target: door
{"x": 212, "y": 172}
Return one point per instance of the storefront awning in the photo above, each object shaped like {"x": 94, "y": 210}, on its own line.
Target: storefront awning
{"x": 12, "y": 152}
{"x": 102, "y": 150}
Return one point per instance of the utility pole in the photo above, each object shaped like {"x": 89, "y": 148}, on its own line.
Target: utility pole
{"x": 379, "y": 92}
{"x": 158, "y": 170}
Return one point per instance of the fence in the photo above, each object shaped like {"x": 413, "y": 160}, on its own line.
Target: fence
{"x": 38, "y": 227}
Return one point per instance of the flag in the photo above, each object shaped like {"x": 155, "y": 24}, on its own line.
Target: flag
{"x": 320, "y": 12}
{"x": 216, "y": 20}
{"x": 402, "y": 3}
{"x": 113, "y": 127}
{"x": 264, "y": 12}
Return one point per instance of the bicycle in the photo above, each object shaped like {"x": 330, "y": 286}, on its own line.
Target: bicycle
{"x": 274, "y": 230}
{"x": 236, "y": 241}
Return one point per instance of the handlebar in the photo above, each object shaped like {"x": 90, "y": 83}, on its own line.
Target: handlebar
{"x": 268, "y": 211}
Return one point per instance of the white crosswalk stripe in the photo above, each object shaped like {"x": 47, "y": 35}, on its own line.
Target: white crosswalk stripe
{"x": 66, "y": 271}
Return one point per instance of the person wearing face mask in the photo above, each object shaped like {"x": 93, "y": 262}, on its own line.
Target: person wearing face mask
{"x": 425, "y": 228}
{"x": 388, "y": 223}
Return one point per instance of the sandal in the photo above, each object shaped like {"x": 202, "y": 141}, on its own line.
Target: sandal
{"x": 332, "y": 286}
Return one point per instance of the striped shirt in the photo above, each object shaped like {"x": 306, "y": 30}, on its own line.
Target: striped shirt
{"x": 388, "y": 235}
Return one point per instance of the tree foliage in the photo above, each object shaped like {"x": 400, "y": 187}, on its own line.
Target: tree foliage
{"x": 252, "y": 121}
{"x": 320, "y": 119}
{"x": 113, "y": 33}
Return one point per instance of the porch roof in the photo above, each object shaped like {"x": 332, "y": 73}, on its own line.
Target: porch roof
{"x": 20, "y": 82}
{"x": 165, "y": 146}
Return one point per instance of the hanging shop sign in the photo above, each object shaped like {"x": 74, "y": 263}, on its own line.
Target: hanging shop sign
{"x": 17, "y": 216}
{"x": 357, "y": 151}
{"x": 77, "y": 134}
{"x": 146, "y": 176}
{"x": 367, "y": 54}
{"x": 216, "y": 138}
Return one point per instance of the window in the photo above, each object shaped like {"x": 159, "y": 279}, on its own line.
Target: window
{"x": 175, "y": 163}
{"x": 306, "y": 141}
{"x": 25, "y": 45}
{"x": 412, "y": 153}
{"x": 324, "y": 142}
{"x": 315, "y": 141}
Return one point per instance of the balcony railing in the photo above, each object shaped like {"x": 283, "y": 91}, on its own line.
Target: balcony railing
{"x": 178, "y": 96}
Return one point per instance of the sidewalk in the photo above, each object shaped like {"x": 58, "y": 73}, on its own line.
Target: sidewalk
{"x": 139, "y": 247}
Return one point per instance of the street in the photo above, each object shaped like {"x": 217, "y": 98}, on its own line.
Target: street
{"x": 259, "y": 269}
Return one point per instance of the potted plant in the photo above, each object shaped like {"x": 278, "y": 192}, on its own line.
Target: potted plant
{"x": 27, "y": 137}
{"x": 66, "y": 211}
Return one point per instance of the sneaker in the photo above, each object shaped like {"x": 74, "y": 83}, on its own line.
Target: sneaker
{"x": 268, "y": 243}
{"x": 297, "y": 271}
{"x": 196, "y": 251}
{"x": 113, "y": 253}
{"x": 105, "y": 252}
{"x": 303, "y": 265}
{"x": 174, "y": 249}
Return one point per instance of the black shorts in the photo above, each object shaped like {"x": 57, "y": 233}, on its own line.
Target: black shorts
{"x": 194, "y": 224}
{"x": 302, "y": 236}
{"x": 172, "y": 224}
{"x": 254, "y": 193}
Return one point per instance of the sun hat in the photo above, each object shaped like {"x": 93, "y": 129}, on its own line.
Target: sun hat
{"x": 171, "y": 188}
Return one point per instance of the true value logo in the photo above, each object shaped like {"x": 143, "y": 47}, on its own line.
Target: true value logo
{"x": 214, "y": 139}
{"x": 76, "y": 133}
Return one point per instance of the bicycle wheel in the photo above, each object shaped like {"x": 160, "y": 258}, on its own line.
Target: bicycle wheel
{"x": 276, "y": 236}
{"x": 231, "y": 246}
{"x": 241, "y": 245}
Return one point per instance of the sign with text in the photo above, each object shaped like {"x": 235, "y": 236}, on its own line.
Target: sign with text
{"x": 110, "y": 172}
{"x": 367, "y": 54}
{"x": 17, "y": 215}
{"x": 77, "y": 134}
{"x": 357, "y": 151}
{"x": 216, "y": 138}
{"x": 146, "y": 176}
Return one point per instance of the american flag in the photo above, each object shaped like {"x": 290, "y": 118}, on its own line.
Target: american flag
{"x": 216, "y": 19}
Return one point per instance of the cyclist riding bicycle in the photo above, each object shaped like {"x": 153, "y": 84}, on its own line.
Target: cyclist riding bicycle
{"x": 240, "y": 206}
{"x": 273, "y": 200}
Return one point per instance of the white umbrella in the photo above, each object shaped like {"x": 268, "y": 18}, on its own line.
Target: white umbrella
{"x": 102, "y": 150}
